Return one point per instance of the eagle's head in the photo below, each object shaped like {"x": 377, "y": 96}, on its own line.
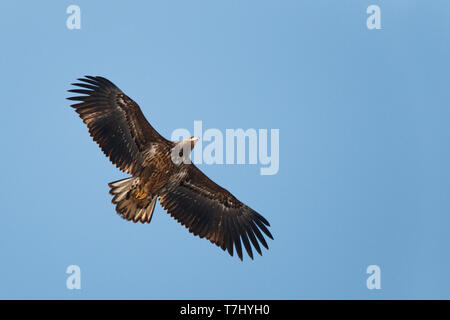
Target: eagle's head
{"x": 182, "y": 150}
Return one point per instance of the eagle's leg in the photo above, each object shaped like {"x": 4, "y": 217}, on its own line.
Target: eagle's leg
{"x": 141, "y": 195}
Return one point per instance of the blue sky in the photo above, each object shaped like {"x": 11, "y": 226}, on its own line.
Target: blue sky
{"x": 363, "y": 116}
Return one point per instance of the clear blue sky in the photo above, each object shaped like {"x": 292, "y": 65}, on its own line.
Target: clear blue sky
{"x": 364, "y": 146}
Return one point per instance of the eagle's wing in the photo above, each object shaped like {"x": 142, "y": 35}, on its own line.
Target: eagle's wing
{"x": 115, "y": 122}
{"x": 210, "y": 211}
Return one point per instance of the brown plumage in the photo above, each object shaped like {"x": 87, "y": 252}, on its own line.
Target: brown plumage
{"x": 159, "y": 171}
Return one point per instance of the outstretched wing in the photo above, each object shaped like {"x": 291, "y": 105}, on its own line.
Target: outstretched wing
{"x": 210, "y": 211}
{"x": 115, "y": 122}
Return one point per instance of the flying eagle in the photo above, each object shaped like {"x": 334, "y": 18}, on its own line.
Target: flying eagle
{"x": 207, "y": 210}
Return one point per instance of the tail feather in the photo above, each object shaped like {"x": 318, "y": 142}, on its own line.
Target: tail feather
{"x": 128, "y": 206}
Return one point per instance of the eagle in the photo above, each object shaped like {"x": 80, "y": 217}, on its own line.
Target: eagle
{"x": 160, "y": 170}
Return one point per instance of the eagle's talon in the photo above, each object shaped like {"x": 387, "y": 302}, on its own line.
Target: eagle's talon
{"x": 140, "y": 195}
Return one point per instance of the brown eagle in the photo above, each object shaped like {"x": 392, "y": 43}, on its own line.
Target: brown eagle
{"x": 159, "y": 170}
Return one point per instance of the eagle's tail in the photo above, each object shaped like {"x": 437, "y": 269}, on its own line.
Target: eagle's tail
{"x": 130, "y": 203}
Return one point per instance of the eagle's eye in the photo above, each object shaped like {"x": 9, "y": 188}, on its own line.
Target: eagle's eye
{"x": 180, "y": 153}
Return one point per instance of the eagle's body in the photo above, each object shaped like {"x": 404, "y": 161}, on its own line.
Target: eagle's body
{"x": 159, "y": 170}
